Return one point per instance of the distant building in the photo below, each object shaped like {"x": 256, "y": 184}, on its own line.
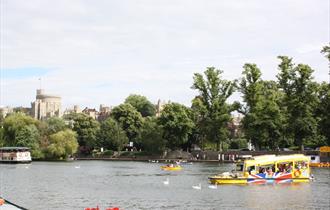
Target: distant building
{"x": 76, "y": 109}
{"x": 104, "y": 112}
{"x": 159, "y": 107}
{"x": 235, "y": 126}
{"x": 46, "y": 106}
{"x": 4, "y": 111}
{"x": 91, "y": 112}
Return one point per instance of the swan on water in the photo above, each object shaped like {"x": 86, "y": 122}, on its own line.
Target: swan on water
{"x": 77, "y": 166}
{"x": 166, "y": 182}
{"x": 213, "y": 186}
{"x": 197, "y": 187}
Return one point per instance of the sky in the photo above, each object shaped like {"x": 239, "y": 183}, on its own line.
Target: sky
{"x": 99, "y": 52}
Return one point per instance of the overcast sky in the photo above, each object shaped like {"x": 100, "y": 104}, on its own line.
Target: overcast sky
{"x": 93, "y": 52}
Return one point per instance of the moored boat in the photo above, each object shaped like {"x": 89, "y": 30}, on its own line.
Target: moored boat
{"x": 267, "y": 169}
{"x": 15, "y": 155}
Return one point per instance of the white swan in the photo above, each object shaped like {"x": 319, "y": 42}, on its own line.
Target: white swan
{"x": 197, "y": 187}
{"x": 166, "y": 182}
{"x": 213, "y": 186}
{"x": 77, "y": 166}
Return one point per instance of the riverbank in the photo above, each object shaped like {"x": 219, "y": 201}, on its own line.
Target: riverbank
{"x": 197, "y": 156}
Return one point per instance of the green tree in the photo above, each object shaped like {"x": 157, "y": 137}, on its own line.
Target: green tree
{"x": 142, "y": 105}
{"x": 300, "y": 100}
{"x": 213, "y": 110}
{"x": 263, "y": 119}
{"x": 55, "y": 124}
{"x": 86, "y": 128}
{"x": 177, "y": 124}
{"x": 28, "y": 136}
{"x": 129, "y": 119}
{"x": 111, "y": 135}
{"x": 15, "y": 123}
{"x": 151, "y": 136}
{"x": 62, "y": 144}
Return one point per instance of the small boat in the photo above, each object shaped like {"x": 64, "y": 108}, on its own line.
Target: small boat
{"x": 267, "y": 169}
{"x": 171, "y": 167}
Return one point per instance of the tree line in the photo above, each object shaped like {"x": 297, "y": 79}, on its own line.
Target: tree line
{"x": 291, "y": 111}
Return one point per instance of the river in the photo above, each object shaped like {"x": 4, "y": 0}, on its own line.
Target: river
{"x": 140, "y": 185}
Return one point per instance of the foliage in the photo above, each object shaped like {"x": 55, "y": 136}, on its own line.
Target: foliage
{"x": 151, "y": 137}
{"x": 176, "y": 123}
{"x": 263, "y": 119}
{"x": 238, "y": 143}
{"x": 129, "y": 119}
{"x": 13, "y": 124}
{"x": 142, "y": 105}
{"x": 300, "y": 100}
{"x": 323, "y": 113}
{"x": 62, "y": 144}
{"x": 210, "y": 105}
{"x": 111, "y": 135}
{"x": 86, "y": 128}
{"x": 55, "y": 124}
{"x": 28, "y": 136}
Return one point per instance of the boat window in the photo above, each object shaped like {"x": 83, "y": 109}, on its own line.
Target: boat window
{"x": 239, "y": 167}
{"x": 285, "y": 167}
{"x": 301, "y": 165}
{"x": 266, "y": 169}
{"x": 313, "y": 158}
{"x": 251, "y": 169}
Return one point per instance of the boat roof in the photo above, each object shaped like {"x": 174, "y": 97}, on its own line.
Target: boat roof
{"x": 264, "y": 159}
{"x": 14, "y": 148}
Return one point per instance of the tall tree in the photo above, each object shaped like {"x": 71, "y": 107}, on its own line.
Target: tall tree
{"x": 211, "y": 102}
{"x": 151, "y": 136}
{"x": 141, "y": 104}
{"x": 86, "y": 128}
{"x": 300, "y": 99}
{"x": 263, "y": 118}
{"x": 176, "y": 124}
{"x": 129, "y": 119}
{"x": 111, "y": 135}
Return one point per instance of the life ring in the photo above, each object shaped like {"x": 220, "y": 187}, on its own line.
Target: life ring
{"x": 2, "y": 201}
{"x": 297, "y": 173}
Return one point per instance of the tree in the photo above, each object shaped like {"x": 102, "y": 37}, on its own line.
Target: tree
{"x": 111, "y": 135}
{"x": 15, "y": 123}
{"x": 55, "y": 124}
{"x": 28, "y": 136}
{"x": 62, "y": 144}
{"x": 263, "y": 119}
{"x": 300, "y": 100}
{"x": 129, "y": 119}
{"x": 176, "y": 124}
{"x": 86, "y": 128}
{"x": 142, "y": 105}
{"x": 151, "y": 136}
{"x": 214, "y": 112}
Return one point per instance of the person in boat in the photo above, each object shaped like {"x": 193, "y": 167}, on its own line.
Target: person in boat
{"x": 269, "y": 172}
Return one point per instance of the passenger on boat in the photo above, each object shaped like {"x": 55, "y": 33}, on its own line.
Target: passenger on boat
{"x": 269, "y": 171}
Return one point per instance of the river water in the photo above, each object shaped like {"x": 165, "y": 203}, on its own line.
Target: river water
{"x": 140, "y": 185}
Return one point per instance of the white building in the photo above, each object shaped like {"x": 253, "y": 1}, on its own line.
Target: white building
{"x": 46, "y": 106}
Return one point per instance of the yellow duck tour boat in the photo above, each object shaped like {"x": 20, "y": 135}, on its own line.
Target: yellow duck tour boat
{"x": 171, "y": 167}
{"x": 267, "y": 169}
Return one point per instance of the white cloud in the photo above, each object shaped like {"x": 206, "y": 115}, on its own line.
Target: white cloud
{"x": 101, "y": 51}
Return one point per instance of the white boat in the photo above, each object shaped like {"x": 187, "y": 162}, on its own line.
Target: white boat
{"x": 15, "y": 155}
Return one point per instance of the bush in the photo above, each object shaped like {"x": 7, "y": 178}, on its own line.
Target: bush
{"x": 108, "y": 153}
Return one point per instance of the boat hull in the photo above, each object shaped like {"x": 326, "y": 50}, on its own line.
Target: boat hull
{"x": 277, "y": 178}
{"x": 165, "y": 168}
